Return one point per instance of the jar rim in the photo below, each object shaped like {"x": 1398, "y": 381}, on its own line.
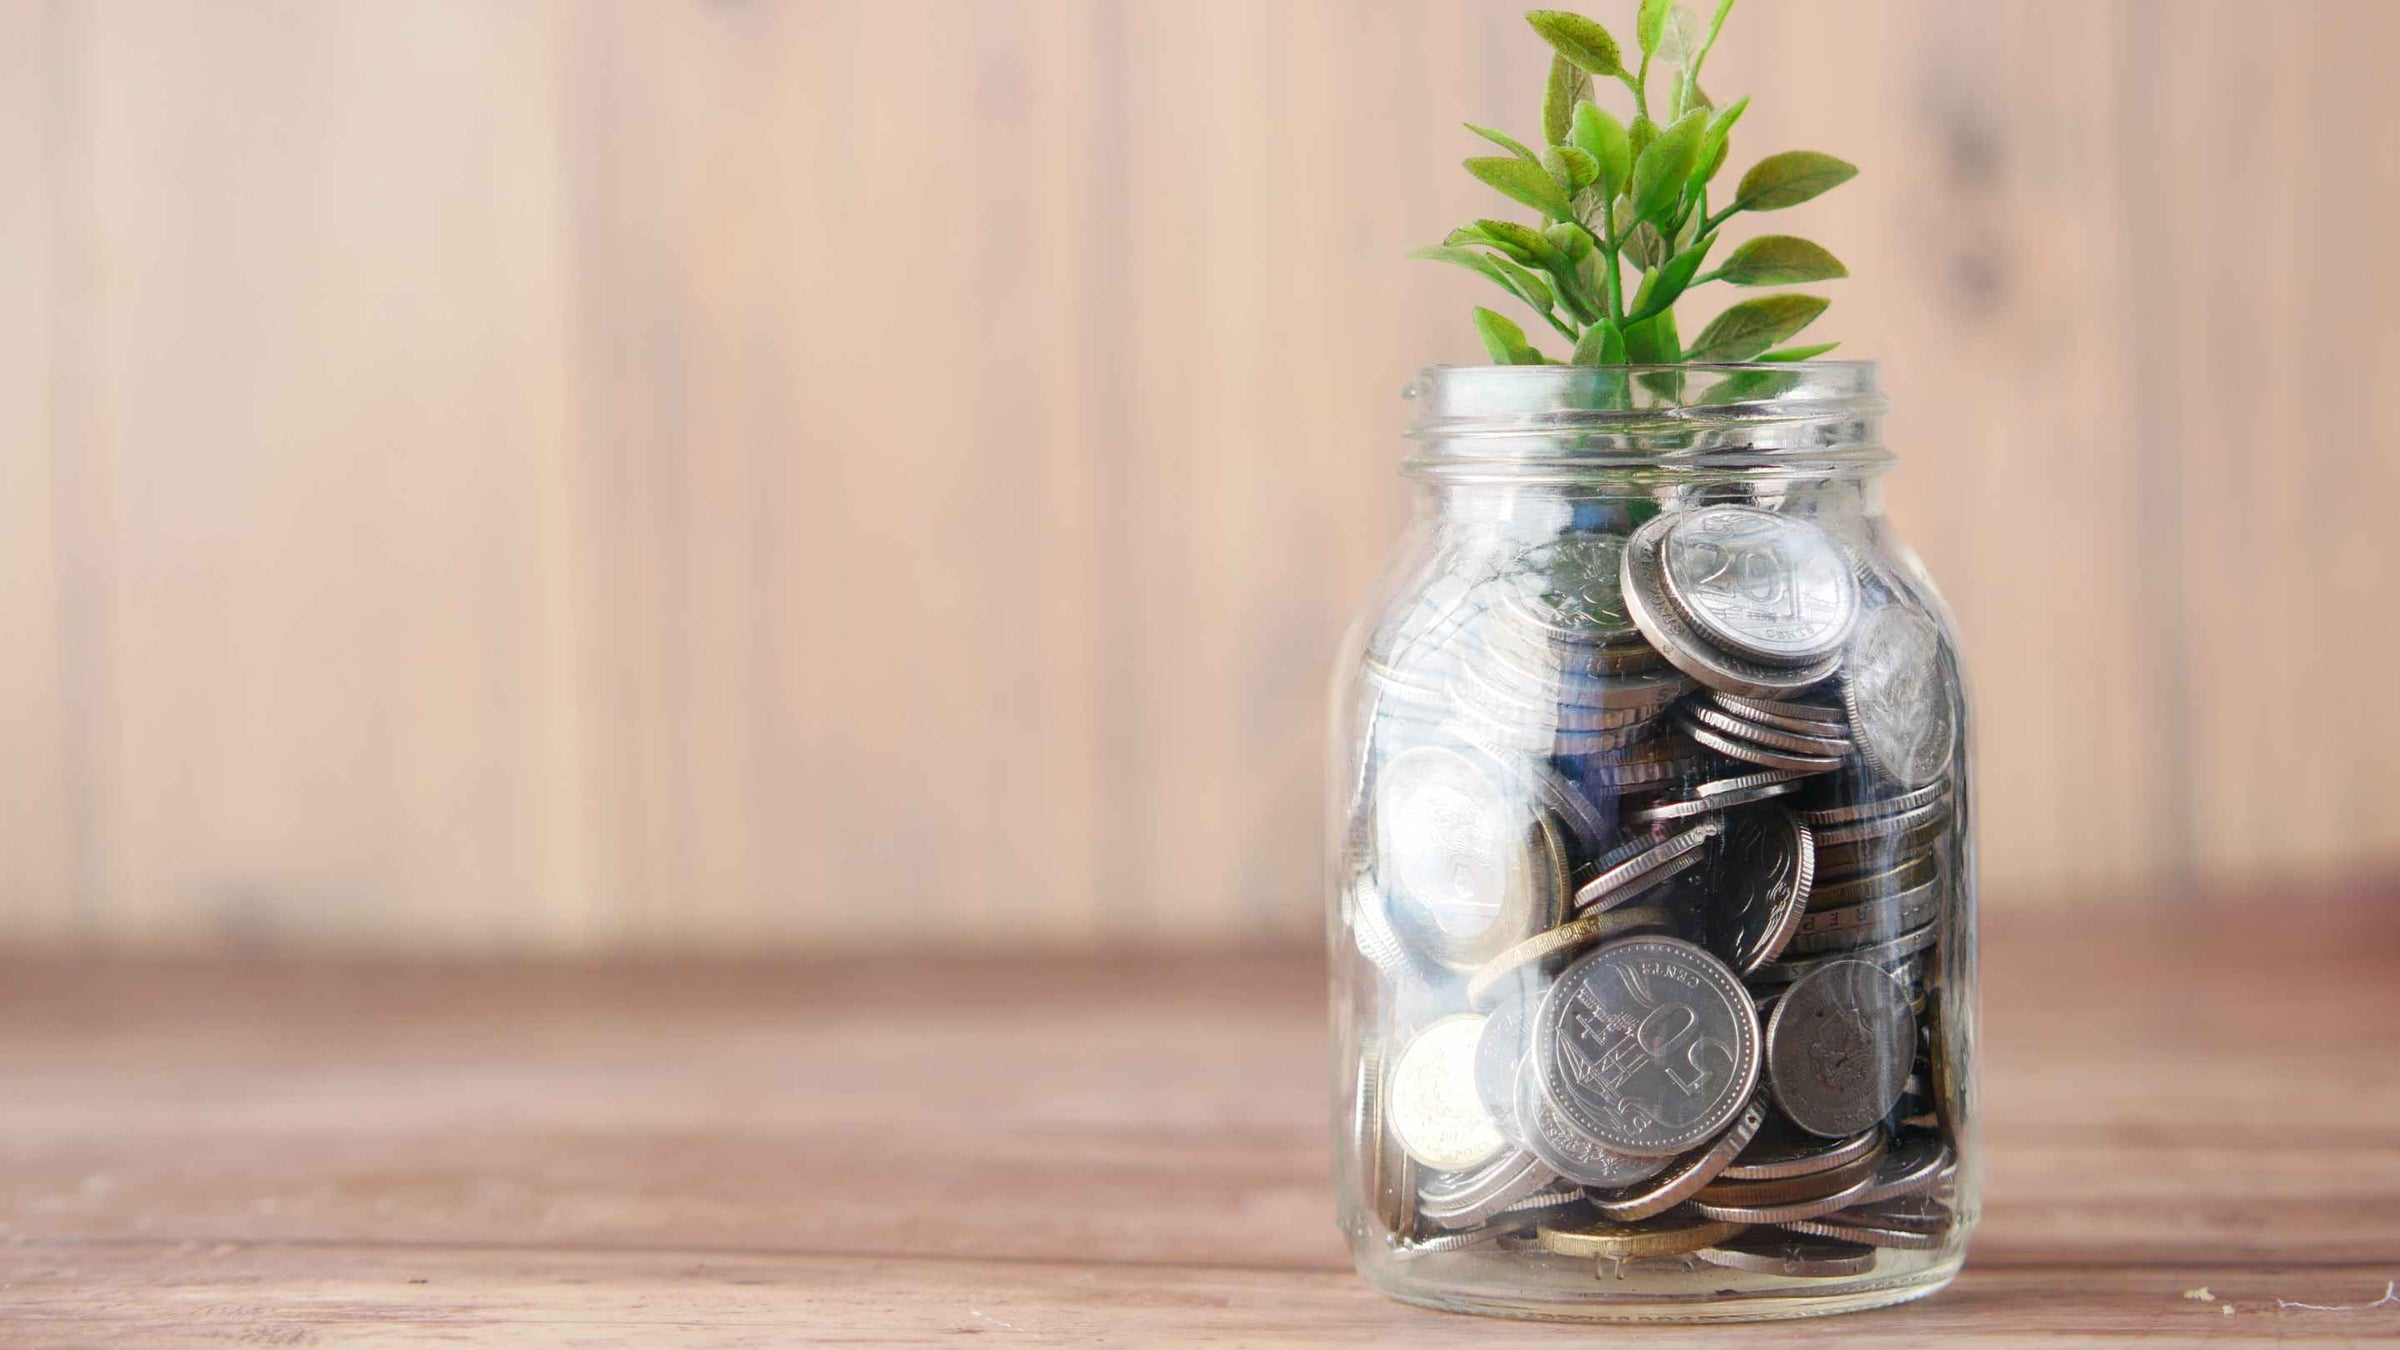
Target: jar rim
{"x": 1565, "y": 421}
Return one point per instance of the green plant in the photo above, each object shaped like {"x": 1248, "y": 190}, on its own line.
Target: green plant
{"x": 1625, "y": 220}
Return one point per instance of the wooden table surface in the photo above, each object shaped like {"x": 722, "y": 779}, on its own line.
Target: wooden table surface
{"x": 1128, "y": 1151}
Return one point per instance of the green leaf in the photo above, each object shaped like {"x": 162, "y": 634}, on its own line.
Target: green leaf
{"x": 1602, "y": 137}
{"x": 1639, "y": 133}
{"x": 1750, "y": 386}
{"x": 1680, "y": 37}
{"x": 1789, "y": 179}
{"x": 1500, "y": 271}
{"x": 1505, "y": 341}
{"x": 1602, "y": 344}
{"x": 1573, "y": 242}
{"x": 1578, "y": 39}
{"x": 1527, "y": 182}
{"x": 1780, "y": 260}
{"x": 1651, "y": 25}
{"x": 1753, "y": 326}
{"x": 1644, "y": 248}
{"x": 1808, "y": 353}
{"x": 1652, "y": 342}
{"x": 1716, "y": 140}
{"x": 1570, "y": 165}
{"x": 1665, "y": 167}
{"x": 1663, "y": 287}
{"x": 1521, "y": 242}
{"x": 1505, "y": 142}
{"x": 1569, "y": 85}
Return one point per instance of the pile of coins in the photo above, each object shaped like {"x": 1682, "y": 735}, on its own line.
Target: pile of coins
{"x": 1653, "y": 845}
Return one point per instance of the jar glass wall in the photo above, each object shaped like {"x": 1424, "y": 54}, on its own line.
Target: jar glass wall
{"x": 1652, "y": 871}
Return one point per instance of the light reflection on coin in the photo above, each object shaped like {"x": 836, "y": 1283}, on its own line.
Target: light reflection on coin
{"x": 1431, "y": 1099}
{"x": 1453, "y": 843}
{"x": 1769, "y": 587}
{"x": 1900, "y": 708}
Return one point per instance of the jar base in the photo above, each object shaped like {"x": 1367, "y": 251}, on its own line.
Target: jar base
{"x": 1790, "y": 1299}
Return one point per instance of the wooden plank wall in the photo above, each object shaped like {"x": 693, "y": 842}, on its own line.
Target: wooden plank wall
{"x": 635, "y": 473}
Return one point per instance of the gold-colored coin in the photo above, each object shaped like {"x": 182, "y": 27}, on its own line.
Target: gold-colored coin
{"x": 1567, "y": 937}
{"x": 1672, "y": 1235}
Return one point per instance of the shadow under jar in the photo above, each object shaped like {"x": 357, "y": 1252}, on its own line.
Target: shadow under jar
{"x": 1653, "y": 876}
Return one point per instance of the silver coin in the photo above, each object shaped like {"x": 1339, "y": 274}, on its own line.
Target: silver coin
{"x": 1648, "y": 1045}
{"x": 1770, "y": 587}
{"x": 1569, "y": 1151}
{"x": 1371, "y": 931}
{"x": 1570, "y": 588}
{"x": 1839, "y": 1046}
{"x": 1620, "y": 881}
{"x": 1884, "y": 806}
{"x": 1471, "y": 1199}
{"x": 1845, "y": 1226}
{"x": 1911, "y": 1167}
{"x": 1659, "y": 762}
{"x": 1797, "y": 1255}
{"x": 1684, "y": 646}
{"x": 1817, "y": 717}
{"x": 1453, "y": 847}
{"x": 1790, "y": 1153}
{"x": 1907, "y": 874}
{"x": 1901, "y": 712}
{"x": 1888, "y": 825}
{"x": 1687, "y": 1174}
{"x": 1718, "y": 720}
{"x": 1709, "y": 798}
{"x": 1444, "y": 1242}
{"x": 1499, "y": 1051}
{"x": 1757, "y": 711}
{"x": 1751, "y": 752}
{"x": 1782, "y": 1211}
{"x": 1430, "y": 1098}
{"x": 1758, "y": 889}
{"x": 1544, "y": 674}
{"x": 1826, "y": 931}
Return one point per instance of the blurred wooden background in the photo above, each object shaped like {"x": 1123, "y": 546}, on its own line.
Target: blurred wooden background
{"x": 492, "y": 474}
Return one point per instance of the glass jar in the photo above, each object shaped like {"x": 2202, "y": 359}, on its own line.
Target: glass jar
{"x": 1653, "y": 875}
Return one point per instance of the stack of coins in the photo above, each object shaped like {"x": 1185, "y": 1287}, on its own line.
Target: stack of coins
{"x": 1654, "y": 843}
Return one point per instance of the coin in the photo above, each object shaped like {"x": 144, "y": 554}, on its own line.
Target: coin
{"x": 1785, "y": 1211}
{"x": 1886, "y": 826}
{"x": 1446, "y": 1242}
{"x": 1769, "y": 587}
{"x": 1570, "y": 588}
{"x": 1910, "y": 873}
{"x": 1431, "y": 1099}
{"x": 1372, "y": 932}
{"x": 1799, "y": 1256}
{"x": 1620, "y": 881}
{"x": 1719, "y": 795}
{"x": 1824, "y": 931}
{"x": 1647, "y": 1044}
{"x": 1880, "y": 806}
{"x": 1789, "y": 714}
{"x": 1471, "y": 1199}
{"x": 1839, "y": 1045}
{"x": 1900, "y": 708}
{"x": 1567, "y": 1150}
{"x": 1759, "y": 712}
{"x": 1687, "y": 1174}
{"x": 1787, "y": 1152}
{"x": 1847, "y": 1226}
{"x": 1656, "y": 762}
{"x": 1499, "y": 1049}
{"x": 1767, "y": 736}
{"x": 1885, "y": 954}
{"x": 1452, "y": 843}
{"x": 1670, "y": 1236}
{"x": 1497, "y": 974}
{"x": 1805, "y": 1186}
{"x": 1758, "y": 887}
{"x": 1920, "y": 1163}
{"x": 1389, "y": 1173}
{"x": 1735, "y": 748}
{"x": 1684, "y": 645}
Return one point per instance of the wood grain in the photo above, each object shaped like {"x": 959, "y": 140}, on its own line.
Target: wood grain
{"x": 631, "y": 476}
{"x": 1071, "y": 1150}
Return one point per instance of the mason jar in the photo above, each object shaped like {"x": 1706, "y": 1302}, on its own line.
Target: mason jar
{"x": 1652, "y": 893}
